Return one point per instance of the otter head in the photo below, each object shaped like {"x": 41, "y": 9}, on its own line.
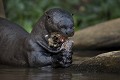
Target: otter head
{"x": 59, "y": 20}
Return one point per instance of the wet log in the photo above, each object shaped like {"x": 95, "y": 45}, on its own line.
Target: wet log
{"x": 101, "y": 37}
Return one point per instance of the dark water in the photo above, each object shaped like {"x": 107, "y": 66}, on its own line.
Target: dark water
{"x": 48, "y": 73}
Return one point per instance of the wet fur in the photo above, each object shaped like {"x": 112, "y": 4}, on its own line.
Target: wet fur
{"x": 19, "y": 48}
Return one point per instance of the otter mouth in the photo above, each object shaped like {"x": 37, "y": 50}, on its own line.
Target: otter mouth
{"x": 56, "y": 40}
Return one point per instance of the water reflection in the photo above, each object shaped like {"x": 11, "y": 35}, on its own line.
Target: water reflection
{"x": 48, "y": 73}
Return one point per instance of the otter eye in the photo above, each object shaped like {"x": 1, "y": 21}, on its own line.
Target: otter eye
{"x": 64, "y": 27}
{"x": 72, "y": 26}
{"x": 48, "y": 16}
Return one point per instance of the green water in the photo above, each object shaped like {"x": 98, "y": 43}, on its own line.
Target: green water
{"x": 47, "y": 73}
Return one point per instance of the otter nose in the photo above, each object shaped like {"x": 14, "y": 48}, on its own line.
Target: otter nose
{"x": 70, "y": 32}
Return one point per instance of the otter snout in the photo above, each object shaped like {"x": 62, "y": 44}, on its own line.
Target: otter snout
{"x": 70, "y": 33}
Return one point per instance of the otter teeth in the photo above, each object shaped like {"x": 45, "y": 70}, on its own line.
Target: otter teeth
{"x": 46, "y": 35}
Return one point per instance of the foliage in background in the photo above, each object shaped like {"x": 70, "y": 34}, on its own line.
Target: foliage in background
{"x": 86, "y": 12}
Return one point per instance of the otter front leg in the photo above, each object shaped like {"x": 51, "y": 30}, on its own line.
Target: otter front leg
{"x": 36, "y": 55}
{"x": 39, "y": 59}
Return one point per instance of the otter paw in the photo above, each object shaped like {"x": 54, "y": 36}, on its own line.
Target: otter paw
{"x": 63, "y": 60}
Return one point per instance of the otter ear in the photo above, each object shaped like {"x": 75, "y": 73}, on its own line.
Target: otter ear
{"x": 46, "y": 14}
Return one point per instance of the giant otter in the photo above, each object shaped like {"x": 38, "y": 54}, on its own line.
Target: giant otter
{"x": 19, "y": 48}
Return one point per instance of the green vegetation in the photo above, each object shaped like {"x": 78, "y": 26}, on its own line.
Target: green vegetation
{"x": 86, "y": 12}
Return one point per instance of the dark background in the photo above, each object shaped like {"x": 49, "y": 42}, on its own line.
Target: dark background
{"x": 86, "y": 12}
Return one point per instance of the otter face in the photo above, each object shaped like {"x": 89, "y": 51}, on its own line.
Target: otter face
{"x": 61, "y": 21}
{"x": 66, "y": 27}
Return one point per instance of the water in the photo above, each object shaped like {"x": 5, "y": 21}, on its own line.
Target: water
{"x": 47, "y": 73}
